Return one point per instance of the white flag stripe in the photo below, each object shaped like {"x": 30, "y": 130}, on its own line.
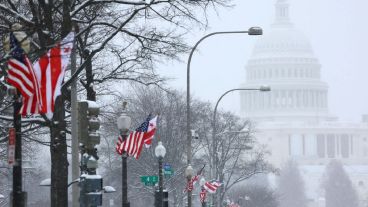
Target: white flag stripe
{"x": 139, "y": 145}
{"x": 19, "y": 82}
{"x": 20, "y": 73}
{"x": 37, "y": 93}
{"x": 133, "y": 141}
{"x": 138, "y": 142}
{"x": 30, "y": 101}
{"x": 48, "y": 90}
{"x": 128, "y": 147}
{"x": 211, "y": 187}
{"x": 19, "y": 65}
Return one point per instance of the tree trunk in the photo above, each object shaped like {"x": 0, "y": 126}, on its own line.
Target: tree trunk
{"x": 221, "y": 192}
{"x": 59, "y": 154}
{"x": 59, "y": 159}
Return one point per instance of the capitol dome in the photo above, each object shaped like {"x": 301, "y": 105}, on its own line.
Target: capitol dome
{"x": 283, "y": 58}
{"x": 282, "y": 42}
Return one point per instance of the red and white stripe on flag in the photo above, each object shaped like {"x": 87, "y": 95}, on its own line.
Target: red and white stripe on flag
{"x": 50, "y": 70}
{"x": 211, "y": 187}
{"x": 39, "y": 85}
{"x": 120, "y": 141}
{"x": 152, "y": 125}
{"x": 133, "y": 144}
{"x": 21, "y": 75}
{"x": 191, "y": 183}
{"x": 203, "y": 195}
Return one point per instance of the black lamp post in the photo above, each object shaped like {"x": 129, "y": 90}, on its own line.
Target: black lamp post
{"x": 18, "y": 196}
{"x": 123, "y": 123}
{"x": 160, "y": 153}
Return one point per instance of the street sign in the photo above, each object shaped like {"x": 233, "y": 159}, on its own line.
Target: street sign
{"x": 149, "y": 180}
{"x": 168, "y": 172}
{"x": 11, "y": 146}
{"x": 167, "y": 167}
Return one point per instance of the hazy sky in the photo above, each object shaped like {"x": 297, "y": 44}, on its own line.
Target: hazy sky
{"x": 337, "y": 30}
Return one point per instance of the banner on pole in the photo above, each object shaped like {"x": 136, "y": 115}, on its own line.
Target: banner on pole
{"x": 11, "y": 146}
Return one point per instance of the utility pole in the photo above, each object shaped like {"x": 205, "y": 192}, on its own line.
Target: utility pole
{"x": 75, "y": 139}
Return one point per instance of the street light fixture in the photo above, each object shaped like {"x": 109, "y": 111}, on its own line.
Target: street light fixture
{"x": 255, "y": 31}
{"x": 109, "y": 189}
{"x": 160, "y": 153}
{"x": 189, "y": 172}
{"x": 123, "y": 123}
{"x": 263, "y": 88}
{"x": 47, "y": 182}
{"x": 251, "y": 31}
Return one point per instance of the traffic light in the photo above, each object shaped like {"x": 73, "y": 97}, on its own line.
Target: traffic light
{"x": 165, "y": 199}
{"x": 88, "y": 123}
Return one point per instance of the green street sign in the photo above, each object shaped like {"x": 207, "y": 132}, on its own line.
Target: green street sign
{"x": 149, "y": 180}
{"x": 168, "y": 172}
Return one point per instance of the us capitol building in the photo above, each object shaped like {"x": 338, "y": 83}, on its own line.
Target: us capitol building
{"x": 293, "y": 119}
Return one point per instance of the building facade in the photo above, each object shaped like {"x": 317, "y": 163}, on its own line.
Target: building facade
{"x": 293, "y": 119}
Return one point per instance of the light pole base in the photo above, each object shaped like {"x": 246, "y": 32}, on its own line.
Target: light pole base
{"x": 127, "y": 204}
{"x": 22, "y": 201}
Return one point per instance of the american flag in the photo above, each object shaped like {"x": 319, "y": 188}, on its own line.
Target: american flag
{"x": 190, "y": 184}
{"x": 203, "y": 195}
{"x": 39, "y": 85}
{"x": 22, "y": 76}
{"x": 142, "y": 135}
{"x": 193, "y": 180}
{"x": 50, "y": 70}
{"x": 211, "y": 187}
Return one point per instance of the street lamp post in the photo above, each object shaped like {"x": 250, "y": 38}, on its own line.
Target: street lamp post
{"x": 18, "y": 196}
{"x": 189, "y": 174}
{"x": 123, "y": 123}
{"x": 202, "y": 181}
{"x": 214, "y": 144}
{"x": 251, "y": 31}
{"x": 160, "y": 153}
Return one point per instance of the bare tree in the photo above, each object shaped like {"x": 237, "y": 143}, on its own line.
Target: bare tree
{"x": 125, "y": 38}
{"x": 170, "y": 107}
{"x": 237, "y": 162}
{"x": 238, "y": 156}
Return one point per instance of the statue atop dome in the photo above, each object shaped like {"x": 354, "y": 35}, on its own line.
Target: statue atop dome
{"x": 282, "y": 13}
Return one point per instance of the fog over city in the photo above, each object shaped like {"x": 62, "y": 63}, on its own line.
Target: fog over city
{"x": 335, "y": 29}
{"x": 94, "y": 106}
